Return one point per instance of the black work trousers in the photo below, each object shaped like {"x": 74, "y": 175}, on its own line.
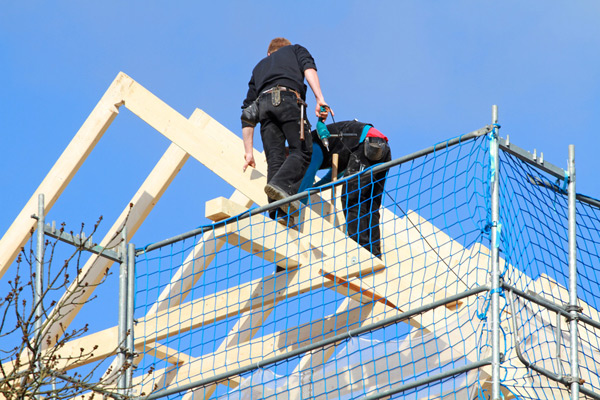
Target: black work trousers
{"x": 362, "y": 198}
{"x": 278, "y": 125}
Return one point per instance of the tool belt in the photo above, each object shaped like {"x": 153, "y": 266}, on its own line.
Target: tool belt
{"x": 275, "y": 94}
{"x": 250, "y": 114}
{"x": 276, "y": 101}
{"x": 283, "y": 89}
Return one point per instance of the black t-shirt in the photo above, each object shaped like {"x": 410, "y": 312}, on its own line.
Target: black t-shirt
{"x": 284, "y": 67}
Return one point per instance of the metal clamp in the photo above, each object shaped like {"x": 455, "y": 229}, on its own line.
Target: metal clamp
{"x": 573, "y": 307}
{"x": 569, "y": 379}
{"x": 569, "y": 308}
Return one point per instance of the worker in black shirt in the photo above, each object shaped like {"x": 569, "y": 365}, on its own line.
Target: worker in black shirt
{"x": 276, "y": 98}
{"x": 359, "y": 146}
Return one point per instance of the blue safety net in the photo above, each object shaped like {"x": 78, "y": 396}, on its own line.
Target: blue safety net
{"x": 223, "y": 310}
{"x": 534, "y": 215}
{"x": 292, "y": 307}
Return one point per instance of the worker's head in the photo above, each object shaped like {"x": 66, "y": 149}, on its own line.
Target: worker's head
{"x": 276, "y": 44}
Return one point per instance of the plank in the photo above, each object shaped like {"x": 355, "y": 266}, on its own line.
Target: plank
{"x": 143, "y": 202}
{"x": 271, "y": 345}
{"x": 61, "y": 173}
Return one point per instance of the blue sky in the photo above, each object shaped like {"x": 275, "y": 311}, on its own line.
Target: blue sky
{"x": 420, "y": 71}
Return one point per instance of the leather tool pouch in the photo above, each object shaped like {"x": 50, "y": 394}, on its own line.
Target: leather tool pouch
{"x": 375, "y": 148}
{"x": 250, "y": 113}
{"x": 276, "y": 97}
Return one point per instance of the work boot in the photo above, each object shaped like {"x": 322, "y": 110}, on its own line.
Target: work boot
{"x": 284, "y": 219}
{"x": 276, "y": 193}
{"x": 289, "y": 221}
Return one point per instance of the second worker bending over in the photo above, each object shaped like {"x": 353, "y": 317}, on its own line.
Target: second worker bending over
{"x": 359, "y": 146}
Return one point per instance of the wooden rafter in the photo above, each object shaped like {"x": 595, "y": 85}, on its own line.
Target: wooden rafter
{"x": 63, "y": 170}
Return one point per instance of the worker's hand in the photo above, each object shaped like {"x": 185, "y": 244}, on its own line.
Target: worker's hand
{"x": 323, "y": 115}
{"x": 249, "y": 161}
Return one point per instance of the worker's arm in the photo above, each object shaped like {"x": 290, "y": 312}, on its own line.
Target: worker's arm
{"x": 248, "y": 136}
{"x": 313, "y": 80}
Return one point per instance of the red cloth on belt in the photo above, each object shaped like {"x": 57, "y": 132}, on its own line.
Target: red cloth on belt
{"x": 375, "y": 133}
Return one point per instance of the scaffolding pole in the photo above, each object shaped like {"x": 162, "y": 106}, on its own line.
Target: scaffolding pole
{"x": 495, "y": 273}
{"x": 38, "y": 289}
{"x": 122, "y": 356}
{"x": 130, "y": 309}
{"x": 573, "y": 307}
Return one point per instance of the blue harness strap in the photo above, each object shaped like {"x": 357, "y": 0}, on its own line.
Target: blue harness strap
{"x": 315, "y": 163}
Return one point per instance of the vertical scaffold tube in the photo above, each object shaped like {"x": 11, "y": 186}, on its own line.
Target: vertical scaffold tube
{"x": 495, "y": 273}
{"x": 122, "y": 314}
{"x": 573, "y": 275}
{"x": 130, "y": 307}
{"x": 37, "y": 293}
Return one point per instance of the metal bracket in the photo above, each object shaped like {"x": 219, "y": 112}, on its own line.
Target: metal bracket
{"x": 80, "y": 241}
{"x": 530, "y": 158}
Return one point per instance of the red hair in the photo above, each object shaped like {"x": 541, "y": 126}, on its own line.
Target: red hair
{"x": 278, "y": 43}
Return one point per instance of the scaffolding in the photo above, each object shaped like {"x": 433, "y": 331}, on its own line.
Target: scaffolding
{"x": 483, "y": 255}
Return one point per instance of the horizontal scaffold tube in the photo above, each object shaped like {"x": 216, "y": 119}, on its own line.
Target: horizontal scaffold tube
{"x": 323, "y": 343}
{"x": 430, "y": 379}
{"x": 548, "y": 374}
{"x": 550, "y": 305}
